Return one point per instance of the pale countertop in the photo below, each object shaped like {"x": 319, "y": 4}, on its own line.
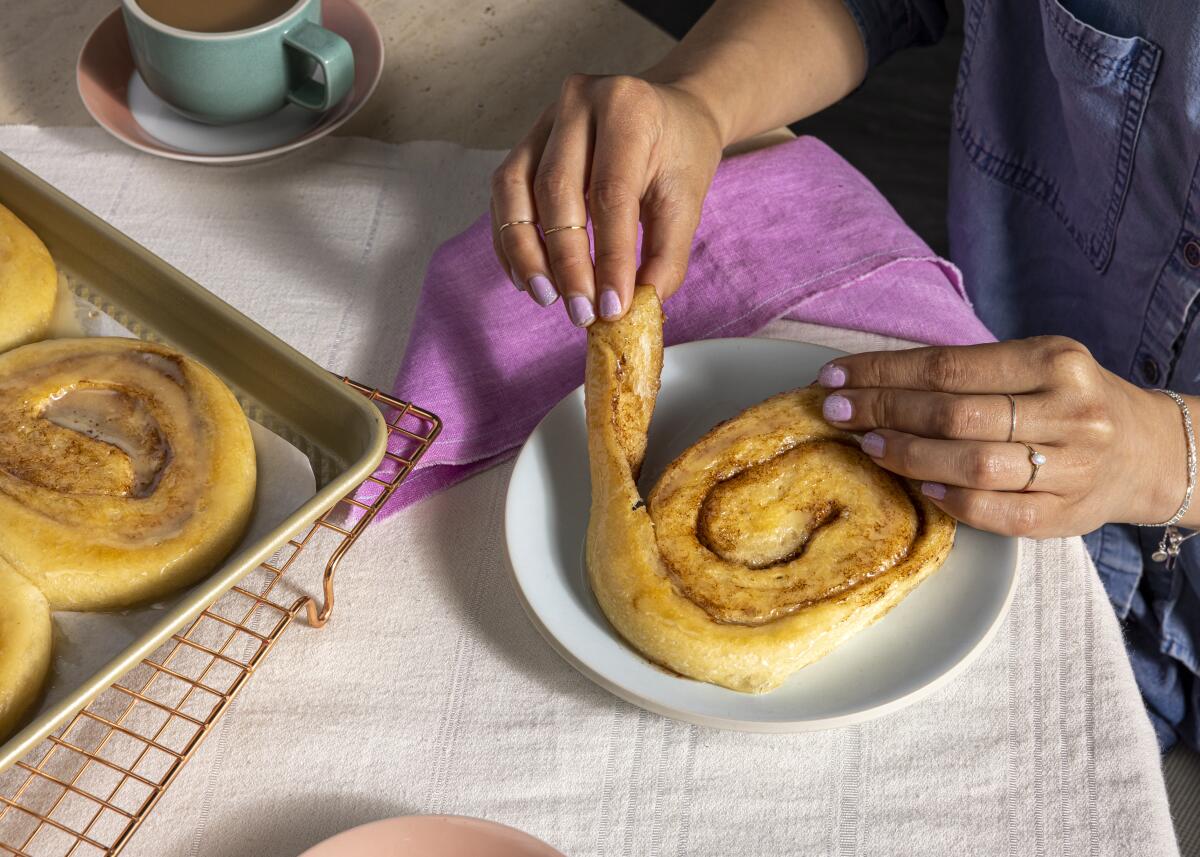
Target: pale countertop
{"x": 474, "y": 72}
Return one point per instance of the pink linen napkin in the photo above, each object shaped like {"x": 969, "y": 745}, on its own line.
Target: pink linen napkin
{"x": 792, "y": 231}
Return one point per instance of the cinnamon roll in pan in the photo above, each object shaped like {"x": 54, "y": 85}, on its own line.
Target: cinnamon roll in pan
{"x": 28, "y": 283}
{"x": 763, "y": 547}
{"x": 25, "y": 642}
{"x": 127, "y": 470}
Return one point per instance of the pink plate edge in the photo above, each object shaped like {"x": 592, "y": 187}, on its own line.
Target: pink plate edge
{"x": 353, "y": 838}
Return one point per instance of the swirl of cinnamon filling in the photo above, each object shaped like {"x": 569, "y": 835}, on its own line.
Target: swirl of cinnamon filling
{"x": 127, "y": 470}
{"x": 764, "y": 546}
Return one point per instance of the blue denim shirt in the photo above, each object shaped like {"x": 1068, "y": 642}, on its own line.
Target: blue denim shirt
{"x": 1075, "y": 209}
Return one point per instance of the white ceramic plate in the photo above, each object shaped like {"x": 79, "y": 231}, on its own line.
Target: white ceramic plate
{"x": 930, "y": 637}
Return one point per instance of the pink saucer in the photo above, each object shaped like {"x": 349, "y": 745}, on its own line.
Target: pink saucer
{"x": 432, "y": 836}
{"x": 113, "y": 92}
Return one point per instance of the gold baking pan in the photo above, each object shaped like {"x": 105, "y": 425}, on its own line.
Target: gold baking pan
{"x": 343, "y": 435}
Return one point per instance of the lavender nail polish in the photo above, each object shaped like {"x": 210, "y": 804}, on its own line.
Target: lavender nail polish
{"x": 580, "y": 310}
{"x": 610, "y": 304}
{"x": 934, "y": 490}
{"x": 872, "y": 444}
{"x": 542, "y": 290}
{"x": 837, "y": 409}
{"x": 832, "y": 376}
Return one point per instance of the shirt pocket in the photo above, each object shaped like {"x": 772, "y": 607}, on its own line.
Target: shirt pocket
{"x": 1052, "y": 107}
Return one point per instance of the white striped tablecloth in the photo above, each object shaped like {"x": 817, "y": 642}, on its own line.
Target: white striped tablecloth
{"x": 430, "y": 692}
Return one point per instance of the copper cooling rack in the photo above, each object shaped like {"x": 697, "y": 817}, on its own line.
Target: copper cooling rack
{"x": 86, "y": 789}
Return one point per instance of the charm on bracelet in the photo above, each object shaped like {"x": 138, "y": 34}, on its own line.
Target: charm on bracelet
{"x": 1170, "y": 546}
{"x": 1172, "y": 539}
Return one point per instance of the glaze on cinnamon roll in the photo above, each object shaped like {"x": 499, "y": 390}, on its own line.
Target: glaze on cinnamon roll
{"x": 761, "y": 548}
{"x": 25, "y": 637}
{"x": 127, "y": 470}
{"x": 28, "y": 283}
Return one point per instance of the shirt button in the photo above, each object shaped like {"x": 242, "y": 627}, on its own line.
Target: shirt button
{"x": 1191, "y": 253}
{"x": 1150, "y": 368}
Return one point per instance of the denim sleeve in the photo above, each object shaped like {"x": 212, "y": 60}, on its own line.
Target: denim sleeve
{"x": 889, "y": 25}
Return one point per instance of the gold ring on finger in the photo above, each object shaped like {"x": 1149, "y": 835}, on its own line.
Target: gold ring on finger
{"x": 504, "y": 226}
{"x": 561, "y": 228}
{"x": 1036, "y": 460}
{"x": 1012, "y": 416}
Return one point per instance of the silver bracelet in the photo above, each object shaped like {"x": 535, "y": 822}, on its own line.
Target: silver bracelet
{"x": 1172, "y": 539}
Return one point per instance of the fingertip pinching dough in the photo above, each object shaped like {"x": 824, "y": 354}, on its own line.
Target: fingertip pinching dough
{"x": 763, "y": 547}
{"x": 28, "y": 283}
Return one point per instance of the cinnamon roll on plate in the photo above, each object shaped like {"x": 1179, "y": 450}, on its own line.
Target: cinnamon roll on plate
{"x": 739, "y": 585}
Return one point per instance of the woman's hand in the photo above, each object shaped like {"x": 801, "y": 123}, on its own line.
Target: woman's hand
{"x": 1113, "y": 452}
{"x": 618, "y": 150}
{"x": 615, "y": 151}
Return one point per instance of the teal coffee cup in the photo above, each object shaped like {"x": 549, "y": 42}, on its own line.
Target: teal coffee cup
{"x": 226, "y": 77}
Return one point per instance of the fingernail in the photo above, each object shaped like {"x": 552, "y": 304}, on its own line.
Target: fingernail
{"x": 872, "y": 444}
{"x": 580, "y": 310}
{"x": 837, "y": 409}
{"x": 934, "y": 490}
{"x": 832, "y": 376}
{"x": 610, "y": 304}
{"x": 542, "y": 290}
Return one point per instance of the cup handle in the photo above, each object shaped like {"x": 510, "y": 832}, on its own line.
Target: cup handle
{"x": 335, "y": 57}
